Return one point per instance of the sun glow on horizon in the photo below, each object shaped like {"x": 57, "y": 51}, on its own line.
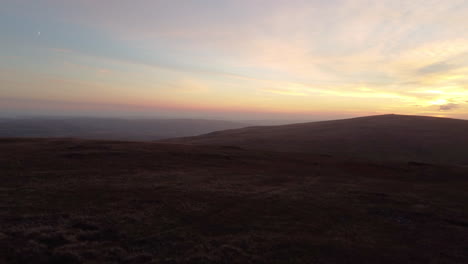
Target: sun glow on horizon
{"x": 236, "y": 58}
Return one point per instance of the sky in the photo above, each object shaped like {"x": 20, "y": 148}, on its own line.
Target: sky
{"x": 239, "y": 59}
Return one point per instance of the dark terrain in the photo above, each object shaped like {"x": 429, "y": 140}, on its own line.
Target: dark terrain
{"x": 380, "y": 138}
{"x": 89, "y": 201}
{"x": 110, "y": 128}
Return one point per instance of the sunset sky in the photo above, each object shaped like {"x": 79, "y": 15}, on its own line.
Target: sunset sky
{"x": 239, "y": 59}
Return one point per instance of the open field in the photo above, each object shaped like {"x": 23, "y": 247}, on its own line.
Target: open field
{"x": 83, "y": 201}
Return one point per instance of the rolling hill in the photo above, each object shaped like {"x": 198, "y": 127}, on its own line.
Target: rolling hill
{"x": 271, "y": 194}
{"x": 384, "y": 138}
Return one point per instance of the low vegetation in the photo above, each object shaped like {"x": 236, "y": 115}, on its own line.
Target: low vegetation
{"x": 79, "y": 201}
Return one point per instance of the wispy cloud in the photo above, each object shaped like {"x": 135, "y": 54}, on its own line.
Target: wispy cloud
{"x": 447, "y": 107}
{"x": 285, "y": 92}
{"x": 62, "y": 50}
{"x": 404, "y": 55}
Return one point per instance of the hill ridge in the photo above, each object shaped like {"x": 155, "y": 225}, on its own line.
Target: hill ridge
{"x": 380, "y": 137}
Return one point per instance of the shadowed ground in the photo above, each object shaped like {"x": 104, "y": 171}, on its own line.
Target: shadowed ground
{"x": 79, "y": 201}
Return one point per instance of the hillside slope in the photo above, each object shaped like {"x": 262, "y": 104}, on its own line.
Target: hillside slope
{"x": 385, "y": 137}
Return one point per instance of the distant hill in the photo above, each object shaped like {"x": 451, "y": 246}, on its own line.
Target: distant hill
{"x": 111, "y": 128}
{"x": 384, "y": 137}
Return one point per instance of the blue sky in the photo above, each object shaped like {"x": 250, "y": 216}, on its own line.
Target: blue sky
{"x": 234, "y": 59}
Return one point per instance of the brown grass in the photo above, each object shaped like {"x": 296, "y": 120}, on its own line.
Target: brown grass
{"x": 78, "y": 201}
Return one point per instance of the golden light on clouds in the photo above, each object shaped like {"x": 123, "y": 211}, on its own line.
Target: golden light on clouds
{"x": 349, "y": 57}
